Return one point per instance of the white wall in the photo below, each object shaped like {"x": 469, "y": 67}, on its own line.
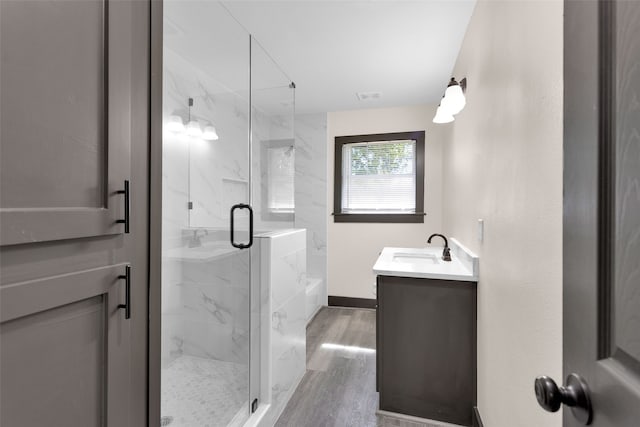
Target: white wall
{"x": 504, "y": 164}
{"x": 354, "y": 247}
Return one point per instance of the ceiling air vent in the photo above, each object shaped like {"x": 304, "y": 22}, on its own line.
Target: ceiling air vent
{"x": 368, "y": 96}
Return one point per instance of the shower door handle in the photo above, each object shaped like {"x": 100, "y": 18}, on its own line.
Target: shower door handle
{"x": 232, "y": 227}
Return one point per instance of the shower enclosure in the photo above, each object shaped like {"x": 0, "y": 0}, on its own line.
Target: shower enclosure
{"x": 228, "y": 169}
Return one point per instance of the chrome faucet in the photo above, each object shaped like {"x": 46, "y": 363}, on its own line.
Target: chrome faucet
{"x": 446, "y": 252}
{"x": 195, "y": 240}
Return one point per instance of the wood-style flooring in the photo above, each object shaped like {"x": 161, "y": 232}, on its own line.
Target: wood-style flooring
{"x": 339, "y": 387}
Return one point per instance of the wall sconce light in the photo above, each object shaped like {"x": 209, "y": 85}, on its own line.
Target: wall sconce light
{"x": 453, "y": 101}
{"x": 193, "y": 129}
{"x": 210, "y": 133}
{"x": 442, "y": 116}
{"x": 175, "y": 125}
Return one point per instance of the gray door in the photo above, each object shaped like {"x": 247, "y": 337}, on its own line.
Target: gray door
{"x": 73, "y": 129}
{"x": 601, "y": 217}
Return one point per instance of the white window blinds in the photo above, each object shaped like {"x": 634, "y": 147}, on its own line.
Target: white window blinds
{"x": 379, "y": 177}
{"x": 280, "y": 179}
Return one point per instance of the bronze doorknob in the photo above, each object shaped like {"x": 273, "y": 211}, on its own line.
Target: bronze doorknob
{"x": 575, "y": 395}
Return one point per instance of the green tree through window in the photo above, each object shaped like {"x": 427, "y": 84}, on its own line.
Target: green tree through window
{"x": 382, "y": 158}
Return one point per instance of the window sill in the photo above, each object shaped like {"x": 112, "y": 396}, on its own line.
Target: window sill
{"x": 380, "y": 217}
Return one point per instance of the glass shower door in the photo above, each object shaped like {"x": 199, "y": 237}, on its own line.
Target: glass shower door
{"x": 275, "y": 334}
{"x": 272, "y": 142}
{"x": 205, "y": 279}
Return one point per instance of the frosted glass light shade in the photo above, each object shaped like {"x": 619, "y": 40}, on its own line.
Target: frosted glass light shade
{"x": 454, "y": 100}
{"x": 193, "y": 129}
{"x": 443, "y": 116}
{"x": 174, "y": 124}
{"x": 210, "y": 133}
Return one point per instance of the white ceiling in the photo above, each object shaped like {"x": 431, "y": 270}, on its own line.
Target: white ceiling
{"x": 333, "y": 49}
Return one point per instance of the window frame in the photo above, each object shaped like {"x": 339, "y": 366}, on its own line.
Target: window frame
{"x": 417, "y": 216}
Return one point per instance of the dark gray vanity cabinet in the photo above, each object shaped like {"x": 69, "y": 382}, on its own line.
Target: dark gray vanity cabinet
{"x": 426, "y": 341}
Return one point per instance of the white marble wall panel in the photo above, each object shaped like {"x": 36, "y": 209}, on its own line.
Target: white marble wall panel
{"x": 288, "y": 323}
{"x": 171, "y": 307}
{"x": 215, "y": 174}
{"x": 208, "y": 163}
{"x": 215, "y": 307}
{"x": 172, "y": 337}
{"x": 267, "y": 129}
{"x": 219, "y": 169}
{"x": 311, "y": 192}
{"x": 206, "y": 300}
{"x": 283, "y": 283}
{"x": 272, "y": 121}
{"x": 288, "y": 370}
{"x": 196, "y": 296}
{"x": 288, "y": 273}
{"x": 316, "y": 297}
{"x": 175, "y": 217}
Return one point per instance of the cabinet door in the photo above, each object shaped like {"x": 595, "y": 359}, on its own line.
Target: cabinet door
{"x": 65, "y": 79}
{"x": 64, "y": 357}
{"x": 74, "y": 101}
{"x": 427, "y": 337}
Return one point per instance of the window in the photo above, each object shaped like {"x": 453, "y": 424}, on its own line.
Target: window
{"x": 278, "y": 160}
{"x": 379, "y": 178}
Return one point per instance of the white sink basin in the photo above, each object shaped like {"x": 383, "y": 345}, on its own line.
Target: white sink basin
{"x": 428, "y": 263}
{"x": 415, "y": 258}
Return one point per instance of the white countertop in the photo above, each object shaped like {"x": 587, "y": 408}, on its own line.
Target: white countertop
{"x": 427, "y": 263}
{"x": 205, "y": 253}
{"x": 212, "y": 248}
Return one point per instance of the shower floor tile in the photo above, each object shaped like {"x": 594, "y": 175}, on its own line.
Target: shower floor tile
{"x": 198, "y": 392}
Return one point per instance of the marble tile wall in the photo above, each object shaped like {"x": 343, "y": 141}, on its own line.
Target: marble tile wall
{"x": 213, "y": 175}
{"x": 205, "y": 290}
{"x": 215, "y": 313}
{"x": 282, "y": 282}
{"x": 216, "y": 172}
{"x": 197, "y": 310}
{"x": 311, "y": 192}
{"x": 266, "y": 129}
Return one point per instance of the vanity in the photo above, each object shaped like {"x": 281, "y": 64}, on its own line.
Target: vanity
{"x": 426, "y": 333}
